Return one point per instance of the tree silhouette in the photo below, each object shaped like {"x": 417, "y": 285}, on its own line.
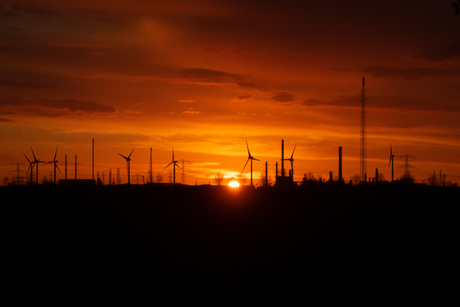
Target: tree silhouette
{"x": 219, "y": 178}
{"x": 456, "y": 6}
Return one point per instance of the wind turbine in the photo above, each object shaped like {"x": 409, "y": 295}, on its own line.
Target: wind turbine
{"x": 392, "y": 160}
{"x": 31, "y": 167}
{"x": 249, "y": 158}
{"x": 291, "y": 159}
{"x": 174, "y": 163}
{"x": 128, "y": 162}
{"x": 55, "y": 165}
{"x": 36, "y": 161}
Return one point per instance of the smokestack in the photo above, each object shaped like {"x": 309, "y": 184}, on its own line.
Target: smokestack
{"x": 282, "y": 158}
{"x": 65, "y": 166}
{"x": 340, "y": 164}
{"x": 363, "y": 82}
{"x": 92, "y": 172}
{"x": 266, "y": 174}
{"x": 376, "y": 175}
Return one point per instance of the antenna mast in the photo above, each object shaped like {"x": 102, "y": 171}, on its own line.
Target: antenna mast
{"x": 363, "y": 156}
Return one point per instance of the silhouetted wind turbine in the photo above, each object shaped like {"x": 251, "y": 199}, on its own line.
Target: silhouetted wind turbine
{"x": 36, "y": 161}
{"x": 392, "y": 160}
{"x": 249, "y": 158}
{"x": 31, "y": 167}
{"x": 128, "y": 162}
{"x": 55, "y": 165}
{"x": 291, "y": 159}
{"x": 174, "y": 163}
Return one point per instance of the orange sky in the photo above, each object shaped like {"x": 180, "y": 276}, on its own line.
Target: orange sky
{"x": 204, "y": 76}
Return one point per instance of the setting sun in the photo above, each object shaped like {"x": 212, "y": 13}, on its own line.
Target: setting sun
{"x": 234, "y": 184}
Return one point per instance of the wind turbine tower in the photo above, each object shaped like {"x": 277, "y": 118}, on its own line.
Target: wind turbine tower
{"x": 36, "y": 162}
{"x": 249, "y": 158}
{"x": 30, "y": 169}
{"x": 55, "y": 165}
{"x": 392, "y": 163}
{"x": 363, "y": 156}
{"x": 128, "y": 162}
{"x": 291, "y": 159}
{"x": 174, "y": 163}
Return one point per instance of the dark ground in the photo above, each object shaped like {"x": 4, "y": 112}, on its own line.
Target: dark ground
{"x": 215, "y": 245}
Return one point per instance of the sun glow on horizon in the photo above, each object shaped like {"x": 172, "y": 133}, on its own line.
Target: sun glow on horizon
{"x": 234, "y": 184}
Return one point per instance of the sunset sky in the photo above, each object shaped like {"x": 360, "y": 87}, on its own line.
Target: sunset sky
{"x": 205, "y": 76}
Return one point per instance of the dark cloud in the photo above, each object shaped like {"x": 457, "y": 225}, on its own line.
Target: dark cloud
{"x": 48, "y": 107}
{"x": 15, "y": 8}
{"x": 442, "y": 54}
{"x": 77, "y": 105}
{"x": 244, "y": 97}
{"x": 408, "y": 73}
{"x": 212, "y": 77}
{"x": 384, "y": 102}
{"x": 20, "y": 84}
{"x": 6, "y": 120}
{"x": 208, "y": 75}
{"x": 246, "y": 84}
{"x": 283, "y": 97}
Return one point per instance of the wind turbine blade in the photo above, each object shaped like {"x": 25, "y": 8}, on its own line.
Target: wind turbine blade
{"x": 123, "y": 156}
{"x": 292, "y": 156}
{"x": 55, "y": 154}
{"x": 26, "y": 158}
{"x": 168, "y": 165}
{"x": 391, "y": 150}
{"x": 249, "y": 154}
{"x": 245, "y": 164}
{"x": 175, "y": 162}
{"x": 131, "y": 153}
{"x": 46, "y": 162}
{"x": 57, "y": 168}
{"x": 33, "y": 153}
{"x": 255, "y": 159}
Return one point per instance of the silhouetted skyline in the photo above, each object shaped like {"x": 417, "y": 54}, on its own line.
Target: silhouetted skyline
{"x": 205, "y": 76}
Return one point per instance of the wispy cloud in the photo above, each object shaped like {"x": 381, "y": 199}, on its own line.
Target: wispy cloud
{"x": 48, "y": 107}
{"x": 398, "y": 103}
{"x": 283, "y": 97}
{"x": 21, "y": 84}
{"x": 83, "y": 45}
{"x": 408, "y": 73}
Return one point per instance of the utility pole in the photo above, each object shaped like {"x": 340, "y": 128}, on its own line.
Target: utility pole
{"x": 363, "y": 156}
{"x": 151, "y": 179}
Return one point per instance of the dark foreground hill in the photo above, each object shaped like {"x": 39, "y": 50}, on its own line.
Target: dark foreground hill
{"x": 215, "y": 245}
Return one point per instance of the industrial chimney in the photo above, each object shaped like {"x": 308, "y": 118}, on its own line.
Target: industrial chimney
{"x": 340, "y": 164}
{"x": 282, "y": 158}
